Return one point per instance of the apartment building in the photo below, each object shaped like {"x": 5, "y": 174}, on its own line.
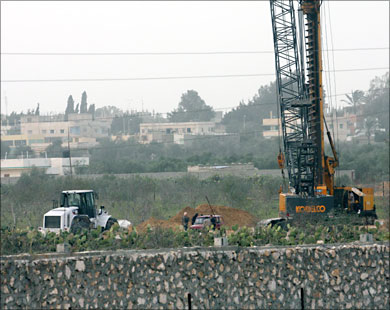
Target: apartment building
{"x": 79, "y": 125}
{"x": 344, "y": 126}
{"x": 340, "y": 127}
{"x": 164, "y": 132}
{"x": 40, "y": 131}
{"x": 270, "y": 127}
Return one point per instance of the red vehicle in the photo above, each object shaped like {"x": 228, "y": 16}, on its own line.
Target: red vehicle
{"x": 205, "y": 220}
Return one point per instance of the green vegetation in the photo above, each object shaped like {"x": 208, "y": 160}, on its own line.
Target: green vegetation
{"x": 16, "y": 241}
{"x": 137, "y": 198}
{"x": 370, "y": 162}
{"x": 248, "y": 117}
{"x": 382, "y": 207}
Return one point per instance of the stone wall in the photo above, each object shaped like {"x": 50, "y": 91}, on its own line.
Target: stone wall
{"x": 332, "y": 277}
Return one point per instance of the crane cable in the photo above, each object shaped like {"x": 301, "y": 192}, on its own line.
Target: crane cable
{"x": 327, "y": 73}
{"x": 281, "y": 157}
{"x": 337, "y": 141}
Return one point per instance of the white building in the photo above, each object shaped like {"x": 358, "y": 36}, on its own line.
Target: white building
{"x": 342, "y": 127}
{"x": 177, "y": 132}
{"x": 12, "y": 168}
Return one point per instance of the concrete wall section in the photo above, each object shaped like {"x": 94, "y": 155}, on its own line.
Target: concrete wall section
{"x": 332, "y": 277}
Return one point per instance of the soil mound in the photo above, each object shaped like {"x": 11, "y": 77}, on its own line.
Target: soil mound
{"x": 153, "y": 222}
{"x": 230, "y": 215}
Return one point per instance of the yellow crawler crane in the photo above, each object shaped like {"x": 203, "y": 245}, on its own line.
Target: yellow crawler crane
{"x": 298, "y": 62}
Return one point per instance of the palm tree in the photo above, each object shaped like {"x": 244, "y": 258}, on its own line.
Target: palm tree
{"x": 356, "y": 97}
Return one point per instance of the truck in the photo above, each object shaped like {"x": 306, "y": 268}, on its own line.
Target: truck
{"x": 77, "y": 211}
{"x": 201, "y": 221}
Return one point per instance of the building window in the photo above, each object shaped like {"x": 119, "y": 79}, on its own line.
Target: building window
{"x": 75, "y": 130}
{"x": 29, "y": 132}
{"x": 76, "y": 139}
{"x": 6, "y": 175}
{"x": 188, "y": 129}
{"x": 51, "y": 130}
{"x": 341, "y": 126}
{"x": 62, "y": 130}
{"x": 44, "y": 131}
{"x": 29, "y": 120}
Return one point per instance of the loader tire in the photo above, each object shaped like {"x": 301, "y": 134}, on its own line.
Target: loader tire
{"x": 80, "y": 223}
{"x": 111, "y": 221}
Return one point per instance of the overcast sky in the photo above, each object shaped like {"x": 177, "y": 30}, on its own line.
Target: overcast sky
{"x": 160, "y": 27}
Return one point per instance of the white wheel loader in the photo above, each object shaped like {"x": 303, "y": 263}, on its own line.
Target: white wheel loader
{"x": 77, "y": 211}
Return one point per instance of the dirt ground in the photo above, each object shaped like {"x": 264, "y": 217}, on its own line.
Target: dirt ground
{"x": 230, "y": 215}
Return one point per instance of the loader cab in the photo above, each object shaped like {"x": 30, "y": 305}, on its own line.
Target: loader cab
{"x": 83, "y": 199}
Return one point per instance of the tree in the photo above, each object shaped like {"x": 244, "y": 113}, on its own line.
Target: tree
{"x": 357, "y": 97}
{"x": 4, "y": 148}
{"x": 192, "y": 108}
{"x": 14, "y": 118}
{"x": 70, "y": 106}
{"x": 108, "y": 111}
{"x": 76, "y": 110}
{"x": 83, "y": 105}
{"x": 126, "y": 123}
{"x": 248, "y": 117}
{"x": 378, "y": 100}
{"x": 55, "y": 149}
{"x": 91, "y": 110}
{"x": 37, "y": 109}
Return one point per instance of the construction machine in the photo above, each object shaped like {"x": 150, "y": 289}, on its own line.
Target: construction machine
{"x": 298, "y": 62}
{"x": 77, "y": 211}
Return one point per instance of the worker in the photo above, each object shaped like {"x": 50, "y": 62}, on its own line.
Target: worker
{"x": 213, "y": 221}
{"x": 185, "y": 221}
{"x": 194, "y": 218}
{"x": 351, "y": 199}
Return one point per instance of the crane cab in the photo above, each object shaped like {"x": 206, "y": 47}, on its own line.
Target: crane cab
{"x": 356, "y": 200}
